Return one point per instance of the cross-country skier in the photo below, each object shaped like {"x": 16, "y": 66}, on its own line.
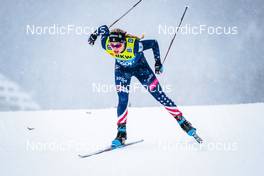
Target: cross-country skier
{"x": 130, "y": 61}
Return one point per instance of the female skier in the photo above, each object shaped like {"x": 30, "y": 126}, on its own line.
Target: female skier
{"x": 130, "y": 61}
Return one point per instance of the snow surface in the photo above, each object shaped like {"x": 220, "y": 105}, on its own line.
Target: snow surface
{"x": 43, "y": 143}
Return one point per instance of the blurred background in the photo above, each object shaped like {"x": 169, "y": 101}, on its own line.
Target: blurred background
{"x": 54, "y": 71}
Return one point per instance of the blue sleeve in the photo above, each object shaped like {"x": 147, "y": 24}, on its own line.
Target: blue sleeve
{"x": 150, "y": 44}
{"x": 104, "y": 32}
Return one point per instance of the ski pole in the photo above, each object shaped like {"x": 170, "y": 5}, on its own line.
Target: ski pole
{"x": 175, "y": 34}
{"x": 121, "y": 16}
{"x": 124, "y": 14}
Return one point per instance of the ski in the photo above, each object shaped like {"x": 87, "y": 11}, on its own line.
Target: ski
{"x": 110, "y": 148}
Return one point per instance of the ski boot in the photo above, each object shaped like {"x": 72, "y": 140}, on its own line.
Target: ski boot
{"x": 120, "y": 137}
{"x": 188, "y": 128}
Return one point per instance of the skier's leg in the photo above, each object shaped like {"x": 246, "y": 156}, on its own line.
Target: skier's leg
{"x": 122, "y": 81}
{"x": 148, "y": 79}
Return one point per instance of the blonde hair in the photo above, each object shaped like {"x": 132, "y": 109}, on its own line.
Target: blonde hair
{"x": 126, "y": 34}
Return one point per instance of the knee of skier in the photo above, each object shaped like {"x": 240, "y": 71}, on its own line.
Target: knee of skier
{"x": 160, "y": 98}
{"x": 163, "y": 99}
{"x": 123, "y": 100}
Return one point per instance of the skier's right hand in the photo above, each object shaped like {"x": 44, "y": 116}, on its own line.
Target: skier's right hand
{"x": 158, "y": 67}
{"x": 92, "y": 38}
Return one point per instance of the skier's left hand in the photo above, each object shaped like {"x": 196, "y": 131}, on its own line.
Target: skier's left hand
{"x": 92, "y": 38}
{"x": 158, "y": 67}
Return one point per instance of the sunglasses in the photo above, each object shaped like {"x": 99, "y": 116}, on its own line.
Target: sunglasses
{"x": 118, "y": 45}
